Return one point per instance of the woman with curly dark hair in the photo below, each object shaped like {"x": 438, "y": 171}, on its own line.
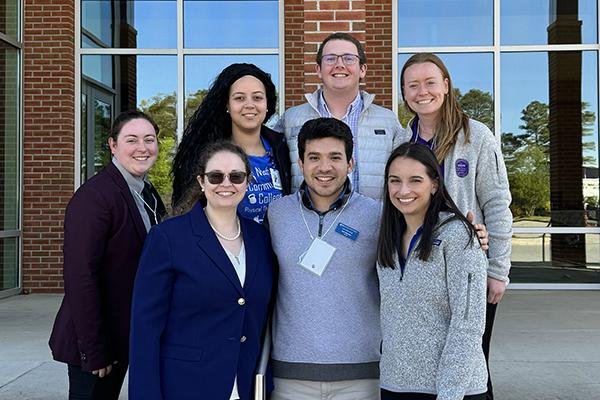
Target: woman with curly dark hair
{"x": 241, "y": 99}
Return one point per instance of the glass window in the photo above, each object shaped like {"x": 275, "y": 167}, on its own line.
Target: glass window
{"x": 9, "y": 138}
{"x": 200, "y": 72}
{"x": 445, "y": 23}
{"x": 9, "y": 18}
{"x": 550, "y": 137}
{"x": 473, "y": 81}
{"x": 129, "y": 24}
{"x": 99, "y": 68}
{"x": 529, "y": 22}
{"x": 9, "y": 261}
{"x": 555, "y": 258}
{"x": 249, "y": 24}
{"x": 96, "y": 21}
{"x": 148, "y": 83}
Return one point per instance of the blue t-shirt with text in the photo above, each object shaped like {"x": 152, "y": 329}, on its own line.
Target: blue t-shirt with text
{"x": 264, "y": 187}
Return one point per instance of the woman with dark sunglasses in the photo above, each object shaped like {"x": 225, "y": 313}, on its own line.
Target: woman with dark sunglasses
{"x": 202, "y": 292}
{"x": 238, "y": 104}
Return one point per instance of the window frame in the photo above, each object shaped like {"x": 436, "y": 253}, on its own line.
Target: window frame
{"x": 497, "y": 49}
{"x": 180, "y": 52}
{"x": 17, "y": 44}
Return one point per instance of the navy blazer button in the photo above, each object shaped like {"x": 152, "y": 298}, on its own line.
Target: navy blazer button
{"x": 243, "y": 339}
{"x": 241, "y": 301}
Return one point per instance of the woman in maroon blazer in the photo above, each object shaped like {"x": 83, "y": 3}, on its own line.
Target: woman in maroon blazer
{"x": 106, "y": 223}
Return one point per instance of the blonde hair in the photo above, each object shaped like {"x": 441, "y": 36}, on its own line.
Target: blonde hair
{"x": 452, "y": 117}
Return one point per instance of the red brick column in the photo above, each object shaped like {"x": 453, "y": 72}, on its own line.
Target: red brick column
{"x": 378, "y": 28}
{"x": 48, "y": 136}
{"x": 308, "y": 22}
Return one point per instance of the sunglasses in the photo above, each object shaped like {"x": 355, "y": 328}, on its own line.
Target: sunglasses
{"x": 216, "y": 178}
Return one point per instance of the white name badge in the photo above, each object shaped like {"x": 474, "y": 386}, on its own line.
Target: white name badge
{"x": 276, "y": 179}
{"x": 317, "y": 257}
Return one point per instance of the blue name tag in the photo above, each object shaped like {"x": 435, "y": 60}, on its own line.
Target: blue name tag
{"x": 437, "y": 242}
{"x": 347, "y": 231}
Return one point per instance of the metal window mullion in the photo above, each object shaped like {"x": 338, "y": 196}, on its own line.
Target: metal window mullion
{"x": 180, "y": 72}
{"x": 232, "y": 51}
{"x": 395, "y": 66}
{"x": 11, "y": 41}
{"x": 127, "y": 52}
{"x": 597, "y": 51}
{"x": 77, "y": 175}
{"x": 556, "y": 230}
{"x": 496, "y": 74}
{"x": 281, "y": 56}
{"x": 498, "y": 47}
{"x": 10, "y": 233}
{"x": 20, "y": 141}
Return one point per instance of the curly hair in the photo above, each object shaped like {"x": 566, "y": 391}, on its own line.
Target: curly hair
{"x": 211, "y": 122}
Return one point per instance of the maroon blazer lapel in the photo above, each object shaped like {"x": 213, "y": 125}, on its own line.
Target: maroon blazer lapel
{"x": 128, "y": 197}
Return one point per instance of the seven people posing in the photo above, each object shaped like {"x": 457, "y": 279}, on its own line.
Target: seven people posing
{"x": 367, "y": 301}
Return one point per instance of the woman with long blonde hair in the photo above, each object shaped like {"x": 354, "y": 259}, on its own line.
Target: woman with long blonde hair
{"x": 472, "y": 165}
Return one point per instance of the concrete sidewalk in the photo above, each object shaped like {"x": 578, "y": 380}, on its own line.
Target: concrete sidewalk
{"x": 546, "y": 346}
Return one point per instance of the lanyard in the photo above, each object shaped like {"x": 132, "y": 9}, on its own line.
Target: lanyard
{"x": 330, "y": 226}
{"x": 152, "y": 210}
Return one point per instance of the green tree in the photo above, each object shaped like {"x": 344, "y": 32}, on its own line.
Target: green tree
{"x": 163, "y": 109}
{"x": 404, "y": 114}
{"x": 535, "y": 123}
{"x": 478, "y": 105}
{"x": 535, "y": 119}
{"x": 529, "y": 179}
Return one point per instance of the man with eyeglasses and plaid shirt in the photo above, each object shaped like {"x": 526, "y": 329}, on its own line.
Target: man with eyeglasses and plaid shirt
{"x": 341, "y": 65}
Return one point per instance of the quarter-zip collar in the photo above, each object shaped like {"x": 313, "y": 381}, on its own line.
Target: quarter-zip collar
{"x": 339, "y": 202}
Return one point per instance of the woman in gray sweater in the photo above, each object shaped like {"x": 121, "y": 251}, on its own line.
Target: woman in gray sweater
{"x": 432, "y": 277}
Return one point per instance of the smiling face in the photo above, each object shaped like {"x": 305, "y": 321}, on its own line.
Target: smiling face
{"x": 247, "y": 104}
{"x": 225, "y": 195}
{"x": 136, "y": 147}
{"x": 340, "y": 77}
{"x": 425, "y": 88}
{"x": 410, "y": 188}
{"x": 325, "y": 169}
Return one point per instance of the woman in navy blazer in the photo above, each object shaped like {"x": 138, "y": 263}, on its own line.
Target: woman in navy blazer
{"x": 199, "y": 314}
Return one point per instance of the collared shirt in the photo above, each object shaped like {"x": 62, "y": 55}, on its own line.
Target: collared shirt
{"x": 351, "y": 119}
{"x": 339, "y": 202}
{"x": 413, "y": 243}
{"x": 416, "y": 138}
{"x": 136, "y": 185}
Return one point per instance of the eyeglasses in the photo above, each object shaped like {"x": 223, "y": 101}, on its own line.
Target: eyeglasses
{"x": 347, "y": 59}
{"x": 216, "y": 178}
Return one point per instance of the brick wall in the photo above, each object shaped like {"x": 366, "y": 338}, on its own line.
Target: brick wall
{"x": 308, "y": 22}
{"x": 48, "y": 153}
{"x": 49, "y": 159}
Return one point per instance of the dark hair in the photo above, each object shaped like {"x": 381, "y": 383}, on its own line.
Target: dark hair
{"x": 362, "y": 56}
{"x": 452, "y": 117}
{"x": 324, "y": 128}
{"x": 211, "y": 122}
{"x": 193, "y": 193}
{"x": 127, "y": 116}
{"x": 392, "y": 220}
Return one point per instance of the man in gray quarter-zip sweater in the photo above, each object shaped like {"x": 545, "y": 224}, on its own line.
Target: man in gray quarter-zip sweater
{"x": 326, "y": 329}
